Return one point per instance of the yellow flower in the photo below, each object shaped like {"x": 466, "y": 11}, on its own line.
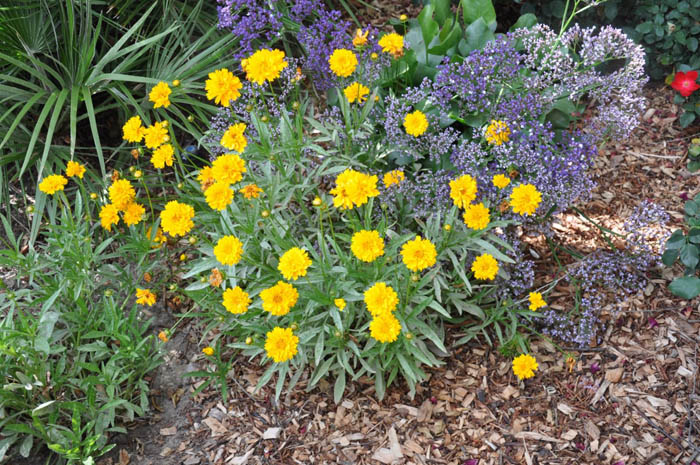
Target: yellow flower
{"x": 367, "y": 245}
{"x": 497, "y": 132}
{"x": 159, "y": 239}
{"x": 360, "y": 38}
{"x": 163, "y": 336}
{"x": 353, "y": 189}
{"x": 176, "y": 218}
{"x": 356, "y": 92}
{"x": 132, "y": 130}
{"x": 205, "y": 177}
{"x": 223, "y": 87}
{"x": 219, "y": 196}
{"x": 233, "y": 138}
{"x": 228, "y": 250}
{"x": 162, "y": 156}
{"x": 52, "y": 184}
{"x": 236, "y": 300}
{"x": 342, "y": 62}
{"x": 75, "y": 169}
{"x": 208, "y": 351}
{"x": 228, "y": 168}
{"x": 109, "y": 215}
{"x": 536, "y": 301}
{"x": 279, "y": 299}
{"x": 159, "y": 95}
{"x": 525, "y": 199}
{"x": 145, "y": 297}
{"x": 485, "y": 267}
{"x": 392, "y": 43}
{"x": 500, "y": 181}
{"x": 415, "y": 123}
{"x": 463, "y": 190}
{"x": 121, "y": 193}
{"x": 418, "y": 254}
{"x": 281, "y": 344}
{"x": 524, "y": 366}
{"x": 340, "y": 303}
{"x": 294, "y": 263}
{"x": 385, "y": 328}
{"x": 393, "y": 177}
{"x": 476, "y": 216}
{"x": 133, "y": 213}
{"x": 251, "y": 191}
{"x": 264, "y": 65}
{"x": 380, "y": 299}
{"x": 155, "y": 134}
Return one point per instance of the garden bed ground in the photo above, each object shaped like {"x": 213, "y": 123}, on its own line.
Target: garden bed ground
{"x": 641, "y": 407}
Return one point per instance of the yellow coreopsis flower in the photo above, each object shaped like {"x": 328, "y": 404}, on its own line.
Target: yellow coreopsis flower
{"x": 500, "y": 181}
{"x": 208, "y": 351}
{"x": 228, "y": 250}
{"x": 393, "y": 177}
{"x": 228, "y": 168}
{"x": 176, "y": 218}
{"x": 159, "y": 95}
{"x": 145, "y": 297}
{"x": 340, "y": 303}
{"x": 476, "y": 216}
{"x": 294, "y": 263}
{"x": 121, "y": 193}
{"x": 385, "y": 328}
{"x": 279, "y": 299}
{"x": 251, "y": 191}
{"x": 392, "y": 43}
{"x": 155, "y": 135}
{"x": 75, "y": 169}
{"x": 536, "y": 301}
{"x": 418, "y": 254}
{"x": 525, "y": 199}
{"x": 223, "y": 87}
{"x": 463, "y": 190}
{"x": 367, "y": 245}
{"x": 281, "y": 344}
{"x": 356, "y": 92}
{"x": 133, "y": 131}
{"x": 342, "y": 62}
{"x": 234, "y": 139}
{"x": 497, "y": 132}
{"x": 219, "y": 195}
{"x": 236, "y": 300}
{"x": 133, "y": 213}
{"x": 524, "y": 366}
{"x": 415, "y": 123}
{"x": 109, "y": 215}
{"x": 163, "y": 156}
{"x": 52, "y": 184}
{"x": 380, "y": 298}
{"x": 485, "y": 267}
{"x": 360, "y": 38}
{"x": 353, "y": 189}
{"x": 264, "y": 65}
{"x": 206, "y": 177}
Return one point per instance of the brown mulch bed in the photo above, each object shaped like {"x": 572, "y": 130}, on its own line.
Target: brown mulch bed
{"x": 631, "y": 400}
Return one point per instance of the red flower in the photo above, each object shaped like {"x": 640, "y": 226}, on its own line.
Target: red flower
{"x": 685, "y": 82}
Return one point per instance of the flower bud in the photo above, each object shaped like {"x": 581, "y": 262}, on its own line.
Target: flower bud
{"x": 403, "y": 18}
{"x": 337, "y": 333}
{"x": 93, "y": 195}
{"x": 172, "y": 287}
{"x": 249, "y": 107}
{"x": 409, "y": 336}
{"x": 294, "y": 326}
{"x": 265, "y": 213}
{"x": 374, "y": 56}
{"x": 415, "y": 278}
{"x": 190, "y": 118}
{"x": 296, "y": 105}
{"x": 203, "y": 279}
{"x": 108, "y": 293}
{"x": 165, "y": 123}
{"x": 138, "y": 174}
{"x": 192, "y": 240}
{"x": 180, "y": 185}
{"x": 30, "y": 209}
{"x": 317, "y": 201}
{"x": 132, "y": 169}
{"x": 248, "y": 340}
{"x": 176, "y": 83}
{"x": 264, "y": 119}
{"x": 135, "y": 153}
{"x": 448, "y": 227}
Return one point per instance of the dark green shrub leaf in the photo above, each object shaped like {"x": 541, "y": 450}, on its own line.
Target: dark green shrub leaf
{"x": 690, "y": 255}
{"x": 475, "y": 9}
{"x": 525, "y": 21}
{"x": 691, "y": 208}
{"x": 676, "y": 241}
{"x": 687, "y": 287}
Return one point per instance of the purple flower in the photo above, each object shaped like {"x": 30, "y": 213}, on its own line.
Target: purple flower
{"x": 653, "y": 323}
{"x": 595, "y": 367}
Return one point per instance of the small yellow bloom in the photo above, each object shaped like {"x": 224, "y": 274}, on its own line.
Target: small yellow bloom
{"x": 176, "y": 218}
{"x": 208, "y": 351}
{"x": 155, "y": 135}
{"x": 145, "y": 297}
{"x": 415, "y": 123}
{"x": 121, "y": 193}
{"x": 234, "y": 139}
{"x": 183, "y": 257}
{"x": 374, "y": 56}
{"x": 251, "y": 191}
{"x": 353, "y": 189}
{"x": 500, "y": 181}
{"x": 52, "y": 184}
{"x": 392, "y": 43}
{"x": 463, "y": 190}
{"x": 228, "y": 168}
{"x": 163, "y": 156}
{"x": 236, "y": 300}
{"x": 393, "y": 177}
{"x": 385, "y": 328}
{"x": 133, "y": 213}
{"x": 536, "y": 301}
{"x": 223, "y": 87}
{"x": 281, "y": 344}
{"x": 476, "y": 216}
{"x": 132, "y": 130}
{"x": 176, "y": 83}
{"x": 403, "y": 18}
{"x": 219, "y": 196}
{"x": 109, "y": 215}
{"x": 367, "y": 245}
{"x": 159, "y": 95}
{"x": 75, "y": 169}
{"x": 380, "y": 299}
{"x": 360, "y": 38}
{"x": 342, "y": 62}
{"x": 228, "y": 250}
{"x": 418, "y": 254}
{"x": 205, "y": 177}
{"x": 485, "y": 267}
{"x": 497, "y": 132}
{"x": 524, "y": 366}
{"x": 356, "y": 92}
{"x": 279, "y": 299}
{"x": 294, "y": 263}
{"x": 264, "y": 65}
{"x": 93, "y": 195}
{"x": 525, "y": 199}
{"x": 340, "y": 303}
{"x": 448, "y": 227}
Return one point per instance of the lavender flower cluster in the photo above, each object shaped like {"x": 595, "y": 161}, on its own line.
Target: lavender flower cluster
{"x": 252, "y": 21}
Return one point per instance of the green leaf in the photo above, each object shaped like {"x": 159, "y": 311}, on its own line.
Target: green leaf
{"x": 525, "y": 21}
{"x": 339, "y": 388}
{"x": 687, "y": 287}
{"x": 429, "y": 28}
{"x": 442, "y": 10}
{"x": 686, "y": 119}
{"x": 26, "y": 447}
{"x": 690, "y": 255}
{"x": 478, "y": 35}
{"x": 472, "y": 10}
{"x": 676, "y": 241}
{"x": 669, "y": 257}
